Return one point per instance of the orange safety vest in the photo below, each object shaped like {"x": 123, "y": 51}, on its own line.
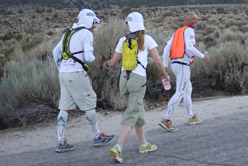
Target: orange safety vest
{"x": 178, "y": 44}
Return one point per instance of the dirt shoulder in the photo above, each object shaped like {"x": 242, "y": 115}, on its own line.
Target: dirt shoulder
{"x": 78, "y": 130}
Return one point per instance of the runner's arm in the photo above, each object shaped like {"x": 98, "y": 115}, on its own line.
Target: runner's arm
{"x": 158, "y": 62}
{"x": 57, "y": 54}
{"x": 190, "y": 43}
{"x": 89, "y": 56}
{"x": 113, "y": 61}
{"x": 88, "y": 47}
{"x": 166, "y": 53}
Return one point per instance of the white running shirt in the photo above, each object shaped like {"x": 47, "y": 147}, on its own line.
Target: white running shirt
{"x": 149, "y": 44}
{"x": 81, "y": 40}
{"x": 189, "y": 36}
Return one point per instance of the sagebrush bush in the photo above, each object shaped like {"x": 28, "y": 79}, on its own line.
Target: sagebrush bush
{"x": 230, "y": 35}
{"x": 28, "y": 80}
{"x": 227, "y": 71}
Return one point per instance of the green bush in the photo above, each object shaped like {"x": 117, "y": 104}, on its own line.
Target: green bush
{"x": 9, "y": 36}
{"x": 40, "y": 10}
{"x": 31, "y": 44}
{"x": 227, "y": 71}
{"x": 28, "y": 79}
{"x": 229, "y": 35}
{"x": 126, "y": 11}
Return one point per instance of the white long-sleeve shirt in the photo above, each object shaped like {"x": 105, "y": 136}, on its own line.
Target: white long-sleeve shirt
{"x": 81, "y": 40}
{"x": 189, "y": 37}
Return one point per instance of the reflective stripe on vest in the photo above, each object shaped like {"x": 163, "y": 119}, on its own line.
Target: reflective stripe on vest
{"x": 178, "y": 44}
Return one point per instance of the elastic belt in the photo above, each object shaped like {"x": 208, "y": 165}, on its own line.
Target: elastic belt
{"x": 182, "y": 63}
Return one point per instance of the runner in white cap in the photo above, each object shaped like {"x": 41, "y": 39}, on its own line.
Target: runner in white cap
{"x": 181, "y": 49}
{"x": 133, "y": 81}
{"x": 71, "y": 54}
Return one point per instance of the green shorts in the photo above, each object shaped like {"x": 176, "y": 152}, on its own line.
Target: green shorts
{"x": 132, "y": 94}
{"x": 76, "y": 90}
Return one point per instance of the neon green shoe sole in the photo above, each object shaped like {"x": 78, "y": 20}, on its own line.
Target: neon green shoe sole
{"x": 195, "y": 120}
{"x": 167, "y": 126}
{"x": 148, "y": 148}
{"x": 116, "y": 154}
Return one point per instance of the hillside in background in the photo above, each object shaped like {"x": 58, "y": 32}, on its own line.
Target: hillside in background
{"x": 103, "y": 4}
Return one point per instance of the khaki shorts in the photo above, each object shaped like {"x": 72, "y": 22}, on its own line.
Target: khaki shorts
{"x": 76, "y": 90}
{"x": 132, "y": 94}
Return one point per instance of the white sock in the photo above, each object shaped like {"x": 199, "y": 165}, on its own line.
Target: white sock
{"x": 61, "y": 121}
{"x": 191, "y": 115}
{"x": 145, "y": 144}
{"x": 96, "y": 136}
{"x": 119, "y": 146}
{"x": 166, "y": 118}
{"x": 91, "y": 117}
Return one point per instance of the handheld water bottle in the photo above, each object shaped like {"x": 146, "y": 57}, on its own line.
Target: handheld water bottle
{"x": 166, "y": 84}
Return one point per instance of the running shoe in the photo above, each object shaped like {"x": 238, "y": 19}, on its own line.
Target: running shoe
{"x": 116, "y": 153}
{"x": 167, "y": 124}
{"x": 195, "y": 120}
{"x": 148, "y": 148}
{"x": 63, "y": 146}
{"x": 103, "y": 139}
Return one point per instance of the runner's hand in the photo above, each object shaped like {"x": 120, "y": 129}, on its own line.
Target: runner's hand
{"x": 206, "y": 59}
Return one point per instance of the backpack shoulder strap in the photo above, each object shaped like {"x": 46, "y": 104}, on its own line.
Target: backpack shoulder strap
{"x": 141, "y": 64}
{"x": 67, "y": 37}
{"x": 65, "y": 47}
{"x": 131, "y": 36}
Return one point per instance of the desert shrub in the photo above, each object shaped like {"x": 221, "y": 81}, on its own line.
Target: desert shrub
{"x": 50, "y": 33}
{"x": 246, "y": 12}
{"x": 20, "y": 11}
{"x": 40, "y": 10}
{"x": 3, "y": 11}
{"x": 55, "y": 15}
{"x": 29, "y": 81}
{"x": 31, "y": 30}
{"x": 32, "y": 43}
{"x": 49, "y": 10}
{"x": 126, "y": 11}
{"x": 229, "y": 35}
{"x": 9, "y": 36}
{"x": 227, "y": 71}
{"x": 243, "y": 28}
{"x": 167, "y": 14}
{"x": 220, "y": 10}
{"x": 56, "y": 26}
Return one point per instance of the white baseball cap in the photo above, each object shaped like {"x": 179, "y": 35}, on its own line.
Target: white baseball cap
{"x": 88, "y": 17}
{"x": 135, "y": 21}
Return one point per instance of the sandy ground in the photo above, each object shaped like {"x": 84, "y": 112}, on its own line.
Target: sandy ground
{"x": 78, "y": 130}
